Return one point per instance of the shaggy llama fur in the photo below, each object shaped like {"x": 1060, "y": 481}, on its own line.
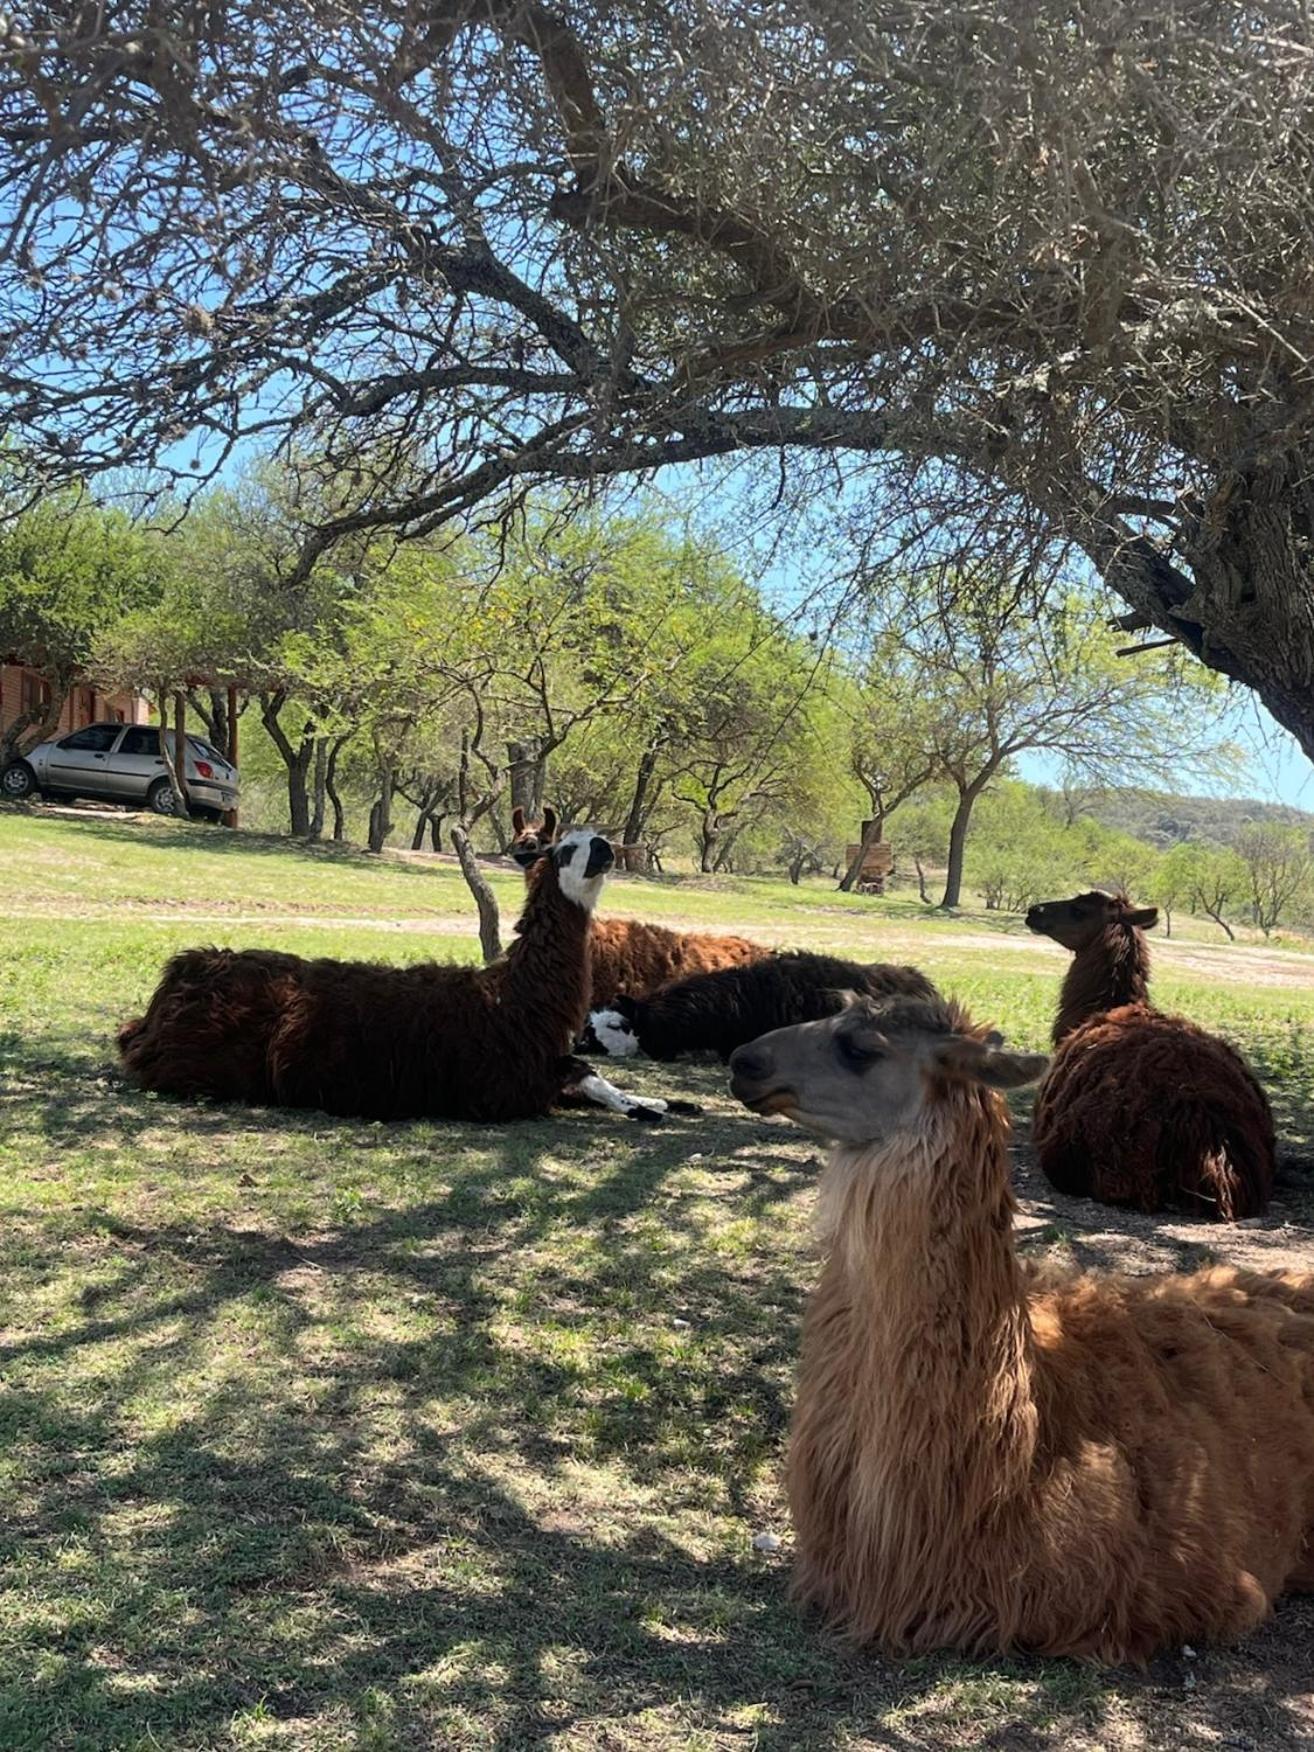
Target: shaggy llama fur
{"x": 716, "y": 1012}
{"x": 632, "y": 957}
{"x": 379, "y": 1042}
{"x": 1140, "y": 1108}
{"x": 990, "y": 1460}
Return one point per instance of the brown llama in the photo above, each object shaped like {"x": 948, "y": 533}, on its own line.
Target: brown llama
{"x": 987, "y": 1459}
{"x": 1139, "y": 1108}
{"x": 379, "y": 1042}
{"x": 632, "y": 957}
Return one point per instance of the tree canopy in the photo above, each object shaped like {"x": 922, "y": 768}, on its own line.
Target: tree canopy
{"x": 1029, "y": 272}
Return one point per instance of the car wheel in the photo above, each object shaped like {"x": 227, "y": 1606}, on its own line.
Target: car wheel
{"x": 162, "y": 799}
{"x": 18, "y": 782}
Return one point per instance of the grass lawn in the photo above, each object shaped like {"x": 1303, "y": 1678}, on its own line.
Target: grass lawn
{"x": 328, "y": 1435}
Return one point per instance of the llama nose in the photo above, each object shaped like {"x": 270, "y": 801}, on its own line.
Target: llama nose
{"x": 750, "y": 1063}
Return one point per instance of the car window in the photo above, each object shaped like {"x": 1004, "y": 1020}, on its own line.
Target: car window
{"x": 206, "y": 750}
{"x": 141, "y": 741}
{"x": 96, "y": 738}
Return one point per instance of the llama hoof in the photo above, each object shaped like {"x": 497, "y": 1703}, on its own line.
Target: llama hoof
{"x": 689, "y": 1109}
{"x": 648, "y": 1113}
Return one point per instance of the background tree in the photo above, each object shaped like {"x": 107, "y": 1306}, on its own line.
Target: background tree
{"x": 1216, "y": 881}
{"x": 70, "y": 571}
{"x": 893, "y": 741}
{"x": 993, "y": 686}
{"x": 1278, "y": 865}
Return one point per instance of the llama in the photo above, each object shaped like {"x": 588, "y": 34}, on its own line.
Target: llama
{"x": 1140, "y": 1108}
{"x": 716, "y": 1012}
{"x": 627, "y": 955}
{"x": 989, "y": 1460}
{"x": 378, "y": 1042}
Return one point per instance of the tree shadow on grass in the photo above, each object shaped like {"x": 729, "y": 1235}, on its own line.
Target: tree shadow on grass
{"x": 247, "y": 1492}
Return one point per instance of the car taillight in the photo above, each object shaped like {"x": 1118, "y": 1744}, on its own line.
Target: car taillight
{"x": 205, "y": 770}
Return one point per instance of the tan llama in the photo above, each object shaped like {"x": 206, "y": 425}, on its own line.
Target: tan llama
{"x": 984, "y": 1459}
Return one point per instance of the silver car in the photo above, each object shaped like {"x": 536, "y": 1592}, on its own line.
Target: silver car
{"x": 122, "y": 763}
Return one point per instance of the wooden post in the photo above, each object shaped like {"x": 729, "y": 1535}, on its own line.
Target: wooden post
{"x": 230, "y": 815}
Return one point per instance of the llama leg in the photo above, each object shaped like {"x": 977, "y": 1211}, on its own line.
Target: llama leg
{"x": 601, "y": 1093}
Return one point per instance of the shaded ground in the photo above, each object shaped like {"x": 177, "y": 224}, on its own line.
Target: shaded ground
{"x": 324, "y": 1435}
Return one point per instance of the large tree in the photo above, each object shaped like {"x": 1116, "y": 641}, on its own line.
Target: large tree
{"x": 1046, "y": 264}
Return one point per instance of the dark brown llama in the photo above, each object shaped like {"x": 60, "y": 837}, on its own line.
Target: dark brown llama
{"x": 1139, "y": 1108}
{"x": 716, "y": 1012}
{"x": 377, "y": 1042}
{"x": 989, "y": 1460}
{"x": 628, "y": 955}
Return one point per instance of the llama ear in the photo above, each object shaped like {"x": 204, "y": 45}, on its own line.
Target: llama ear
{"x": 981, "y": 1061}
{"x": 549, "y": 823}
{"x": 1144, "y": 917}
{"x": 518, "y": 819}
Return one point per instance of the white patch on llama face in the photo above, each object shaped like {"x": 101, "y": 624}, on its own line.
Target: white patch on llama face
{"x": 612, "y": 1034}
{"x": 581, "y": 870}
{"x": 604, "y": 1094}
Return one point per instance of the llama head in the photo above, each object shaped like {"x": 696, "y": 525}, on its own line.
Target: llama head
{"x": 876, "y": 1069}
{"x": 532, "y": 838}
{"x": 610, "y": 1032}
{"x": 581, "y": 859}
{"x": 1081, "y": 921}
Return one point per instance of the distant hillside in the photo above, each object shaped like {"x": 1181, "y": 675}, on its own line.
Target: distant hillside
{"x": 1163, "y": 820}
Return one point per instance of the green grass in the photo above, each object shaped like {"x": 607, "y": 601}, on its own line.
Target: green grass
{"x": 320, "y": 1435}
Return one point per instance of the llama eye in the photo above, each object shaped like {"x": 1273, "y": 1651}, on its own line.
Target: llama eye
{"x": 858, "y": 1054}
{"x": 566, "y": 854}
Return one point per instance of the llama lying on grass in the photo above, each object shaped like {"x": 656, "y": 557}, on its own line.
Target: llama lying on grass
{"x": 627, "y": 955}
{"x": 716, "y": 1012}
{"x": 1140, "y": 1108}
{"x": 378, "y": 1042}
{"x": 985, "y": 1460}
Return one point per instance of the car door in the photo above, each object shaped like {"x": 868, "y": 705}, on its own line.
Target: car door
{"x": 81, "y": 762}
{"x": 138, "y": 762}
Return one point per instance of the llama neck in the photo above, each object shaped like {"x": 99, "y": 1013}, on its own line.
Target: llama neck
{"x": 1113, "y": 970}
{"x": 939, "y": 1369}
{"x": 547, "y": 967}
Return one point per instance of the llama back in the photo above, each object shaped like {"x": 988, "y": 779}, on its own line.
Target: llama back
{"x": 350, "y": 1038}
{"x": 1147, "y": 1110}
{"x": 207, "y": 1028}
{"x": 627, "y": 955}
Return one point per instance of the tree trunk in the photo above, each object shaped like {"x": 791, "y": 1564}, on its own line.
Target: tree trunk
{"x": 1216, "y": 914}
{"x": 921, "y": 880}
{"x": 953, "y": 882}
{"x": 381, "y": 811}
{"x": 319, "y": 788}
{"x": 525, "y": 765}
{"x": 1167, "y": 921}
{"x": 331, "y": 786}
{"x": 873, "y": 837}
{"x": 640, "y": 808}
{"x": 174, "y": 754}
{"x": 422, "y": 822}
{"x": 296, "y": 760}
{"x": 709, "y": 839}
{"x": 29, "y": 728}
{"x": 490, "y": 940}
{"x": 436, "y": 832}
